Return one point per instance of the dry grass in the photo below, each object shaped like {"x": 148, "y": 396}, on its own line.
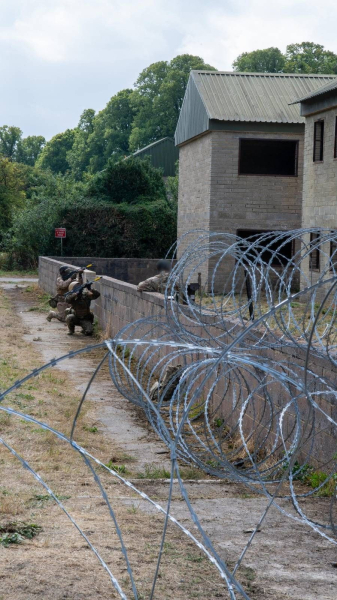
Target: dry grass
{"x": 57, "y": 564}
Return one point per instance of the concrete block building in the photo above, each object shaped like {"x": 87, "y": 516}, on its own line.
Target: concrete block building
{"x": 319, "y": 207}
{"x": 241, "y": 149}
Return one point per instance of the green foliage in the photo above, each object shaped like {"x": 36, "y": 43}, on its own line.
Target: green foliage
{"x": 269, "y": 60}
{"x": 79, "y": 154}
{"x": 154, "y": 472}
{"x": 102, "y": 229}
{"x": 16, "y": 533}
{"x": 319, "y": 479}
{"x": 95, "y": 228}
{"x": 306, "y": 57}
{"x": 54, "y": 153}
{"x": 103, "y": 137}
{"x": 128, "y": 181}
{"x": 172, "y": 185}
{"x": 12, "y": 195}
{"x": 118, "y": 468}
{"x": 29, "y": 149}
{"x": 32, "y": 232}
{"x": 9, "y": 140}
{"x": 160, "y": 90}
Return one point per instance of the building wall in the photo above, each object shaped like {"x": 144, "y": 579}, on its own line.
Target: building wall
{"x": 194, "y": 192}
{"x": 252, "y": 201}
{"x": 319, "y": 191}
{"x": 320, "y": 178}
{"x": 213, "y": 196}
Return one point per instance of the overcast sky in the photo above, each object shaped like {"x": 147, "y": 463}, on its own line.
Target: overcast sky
{"x": 58, "y": 57}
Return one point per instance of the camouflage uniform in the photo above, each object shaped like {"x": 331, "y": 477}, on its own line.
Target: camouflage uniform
{"x": 154, "y": 284}
{"x": 80, "y": 311}
{"x": 61, "y": 289}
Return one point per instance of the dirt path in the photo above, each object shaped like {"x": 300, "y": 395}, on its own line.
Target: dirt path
{"x": 287, "y": 560}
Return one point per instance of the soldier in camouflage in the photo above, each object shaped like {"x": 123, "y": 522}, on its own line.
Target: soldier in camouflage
{"x": 80, "y": 313}
{"x": 158, "y": 282}
{"x": 65, "y": 278}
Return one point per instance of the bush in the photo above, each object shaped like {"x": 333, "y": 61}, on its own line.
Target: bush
{"x": 130, "y": 181}
{"x": 100, "y": 229}
{"x": 93, "y": 229}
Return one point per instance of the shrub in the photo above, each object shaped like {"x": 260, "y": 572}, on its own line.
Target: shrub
{"x": 128, "y": 181}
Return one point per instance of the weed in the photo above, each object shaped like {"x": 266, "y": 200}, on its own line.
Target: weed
{"x": 40, "y": 499}
{"x": 197, "y": 558}
{"x": 319, "y": 478}
{"x": 93, "y": 429}
{"x": 16, "y": 533}
{"x": 197, "y": 410}
{"x": 5, "y": 420}
{"x": 118, "y": 468}
{"x": 218, "y": 422}
{"x": 299, "y": 472}
{"x": 191, "y": 473}
{"x": 25, "y": 396}
{"x": 154, "y": 472}
{"x": 96, "y": 329}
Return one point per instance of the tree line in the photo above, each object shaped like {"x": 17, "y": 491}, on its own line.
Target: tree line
{"x": 44, "y": 184}
{"x": 306, "y": 57}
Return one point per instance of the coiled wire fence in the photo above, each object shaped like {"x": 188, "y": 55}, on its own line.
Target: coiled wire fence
{"x": 229, "y": 379}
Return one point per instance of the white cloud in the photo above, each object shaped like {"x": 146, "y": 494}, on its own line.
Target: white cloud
{"x": 58, "y": 57}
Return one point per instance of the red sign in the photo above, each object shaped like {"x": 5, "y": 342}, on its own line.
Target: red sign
{"x": 60, "y": 232}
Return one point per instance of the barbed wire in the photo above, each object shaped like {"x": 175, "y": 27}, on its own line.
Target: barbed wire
{"x": 235, "y": 380}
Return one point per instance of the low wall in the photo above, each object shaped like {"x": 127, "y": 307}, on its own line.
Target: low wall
{"x": 130, "y": 270}
{"x": 120, "y": 304}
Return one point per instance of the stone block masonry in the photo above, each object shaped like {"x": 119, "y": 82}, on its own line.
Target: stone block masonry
{"x": 120, "y": 304}
{"x": 130, "y": 270}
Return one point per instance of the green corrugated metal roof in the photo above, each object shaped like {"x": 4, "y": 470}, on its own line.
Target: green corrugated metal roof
{"x": 262, "y": 97}
{"x": 163, "y": 154}
{"x": 141, "y": 150}
{"x": 330, "y": 87}
{"x": 243, "y": 97}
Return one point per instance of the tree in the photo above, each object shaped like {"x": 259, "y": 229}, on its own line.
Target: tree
{"x": 28, "y": 149}
{"x": 103, "y": 136}
{"x": 9, "y": 140}
{"x": 269, "y": 60}
{"x": 79, "y": 154}
{"x": 12, "y": 195}
{"x": 129, "y": 180}
{"x": 308, "y": 57}
{"x": 158, "y": 97}
{"x": 54, "y": 154}
{"x": 110, "y": 137}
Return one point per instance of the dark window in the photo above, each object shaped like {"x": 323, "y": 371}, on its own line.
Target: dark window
{"x": 268, "y": 157}
{"x": 314, "y": 261}
{"x": 333, "y": 252}
{"x": 335, "y": 145}
{"x": 318, "y": 140}
{"x": 278, "y": 251}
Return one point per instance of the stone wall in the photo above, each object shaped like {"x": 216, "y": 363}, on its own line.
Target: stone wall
{"x": 319, "y": 188}
{"x": 131, "y": 270}
{"x": 119, "y": 303}
{"x": 213, "y": 195}
{"x": 194, "y": 191}
{"x": 252, "y": 201}
{"x": 320, "y": 178}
